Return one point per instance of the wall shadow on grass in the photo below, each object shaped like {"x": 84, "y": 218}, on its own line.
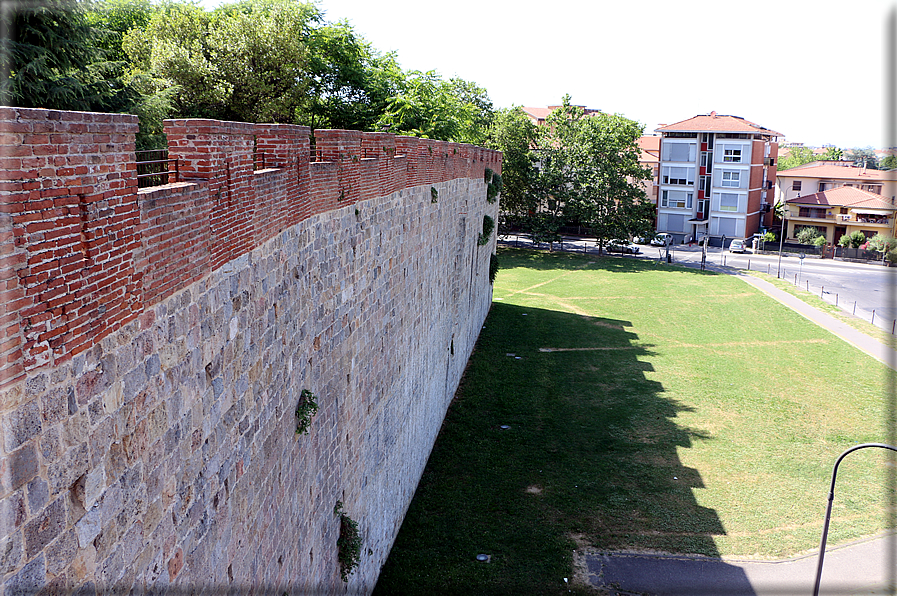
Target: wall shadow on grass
{"x": 555, "y": 437}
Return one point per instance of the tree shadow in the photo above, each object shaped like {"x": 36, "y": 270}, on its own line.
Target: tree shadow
{"x": 555, "y": 438}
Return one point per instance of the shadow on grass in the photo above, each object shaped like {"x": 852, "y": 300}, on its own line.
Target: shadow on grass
{"x": 555, "y": 438}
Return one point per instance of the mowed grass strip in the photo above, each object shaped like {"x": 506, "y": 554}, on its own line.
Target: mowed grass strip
{"x": 623, "y": 404}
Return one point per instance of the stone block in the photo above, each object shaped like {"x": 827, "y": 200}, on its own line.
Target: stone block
{"x": 61, "y": 553}
{"x": 44, "y": 528}
{"x": 20, "y": 425}
{"x": 18, "y": 467}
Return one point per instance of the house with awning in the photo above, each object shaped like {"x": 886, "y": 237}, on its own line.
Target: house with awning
{"x": 841, "y": 211}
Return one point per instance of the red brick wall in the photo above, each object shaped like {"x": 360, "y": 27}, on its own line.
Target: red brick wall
{"x": 69, "y": 233}
{"x": 83, "y": 252}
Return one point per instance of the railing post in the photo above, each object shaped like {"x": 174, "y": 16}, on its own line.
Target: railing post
{"x": 828, "y": 510}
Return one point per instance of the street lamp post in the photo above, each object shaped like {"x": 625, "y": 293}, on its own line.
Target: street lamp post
{"x": 782, "y": 239}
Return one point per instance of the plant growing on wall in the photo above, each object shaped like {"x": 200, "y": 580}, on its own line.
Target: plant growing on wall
{"x": 349, "y": 542}
{"x": 434, "y": 194}
{"x": 305, "y": 411}
{"x": 488, "y": 226}
{"x": 493, "y": 188}
{"x": 493, "y": 267}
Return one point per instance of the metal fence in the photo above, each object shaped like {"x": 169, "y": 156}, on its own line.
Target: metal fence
{"x": 154, "y": 168}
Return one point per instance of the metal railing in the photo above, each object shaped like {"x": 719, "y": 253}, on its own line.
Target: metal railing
{"x": 155, "y": 168}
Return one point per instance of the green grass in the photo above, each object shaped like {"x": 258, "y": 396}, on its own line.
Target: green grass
{"x": 652, "y": 407}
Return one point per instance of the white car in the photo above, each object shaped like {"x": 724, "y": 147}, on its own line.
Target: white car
{"x": 662, "y": 239}
{"x": 737, "y": 246}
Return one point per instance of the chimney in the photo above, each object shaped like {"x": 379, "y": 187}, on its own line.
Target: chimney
{"x": 713, "y": 114}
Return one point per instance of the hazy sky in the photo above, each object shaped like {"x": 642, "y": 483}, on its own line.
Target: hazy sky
{"x": 812, "y": 70}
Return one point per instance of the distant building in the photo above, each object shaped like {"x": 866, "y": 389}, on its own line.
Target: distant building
{"x": 649, "y": 157}
{"x": 538, "y": 115}
{"x": 717, "y": 175}
{"x": 839, "y": 211}
{"x": 818, "y": 176}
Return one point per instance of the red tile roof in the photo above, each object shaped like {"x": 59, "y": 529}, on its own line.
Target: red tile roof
{"x": 538, "y": 113}
{"x": 819, "y": 169}
{"x": 714, "y": 122}
{"x": 844, "y": 196}
{"x": 649, "y": 148}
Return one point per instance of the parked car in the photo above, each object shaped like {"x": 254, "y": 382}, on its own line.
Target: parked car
{"x": 662, "y": 239}
{"x": 640, "y": 240}
{"x": 737, "y": 246}
{"x": 621, "y": 246}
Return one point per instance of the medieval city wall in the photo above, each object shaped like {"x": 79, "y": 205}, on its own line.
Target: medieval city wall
{"x": 154, "y": 344}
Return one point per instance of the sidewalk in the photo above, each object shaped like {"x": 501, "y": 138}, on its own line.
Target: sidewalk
{"x": 858, "y": 568}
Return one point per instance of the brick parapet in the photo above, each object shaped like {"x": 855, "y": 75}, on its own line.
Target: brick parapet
{"x": 77, "y": 244}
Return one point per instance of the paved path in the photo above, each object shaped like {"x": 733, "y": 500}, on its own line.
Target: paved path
{"x": 858, "y": 568}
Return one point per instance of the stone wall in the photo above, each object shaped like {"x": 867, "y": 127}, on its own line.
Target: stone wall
{"x": 155, "y": 343}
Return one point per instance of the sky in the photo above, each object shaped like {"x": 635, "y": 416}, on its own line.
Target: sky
{"x": 813, "y": 70}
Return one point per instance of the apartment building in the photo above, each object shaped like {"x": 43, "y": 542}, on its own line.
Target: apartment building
{"x": 820, "y": 176}
{"x": 717, "y": 175}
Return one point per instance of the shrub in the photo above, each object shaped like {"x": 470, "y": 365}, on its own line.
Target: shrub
{"x": 305, "y": 410}
{"x": 488, "y": 226}
{"x": 769, "y": 237}
{"x": 857, "y": 239}
{"x": 882, "y": 243}
{"x": 808, "y": 235}
{"x": 494, "y": 265}
{"x": 819, "y": 241}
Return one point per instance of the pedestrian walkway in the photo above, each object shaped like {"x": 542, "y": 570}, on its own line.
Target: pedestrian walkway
{"x": 858, "y": 568}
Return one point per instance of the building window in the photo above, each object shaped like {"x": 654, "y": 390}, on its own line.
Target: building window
{"x": 823, "y": 186}
{"x": 679, "y": 152}
{"x": 678, "y": 175}
{"x": 813, "y": 212}
{"x": 676, "y": 199}
{"x": 795, "y": 185}
{"x": 732, "y": 154}
{"x": 728, "y": 201}
{"x": 731, "y": 179}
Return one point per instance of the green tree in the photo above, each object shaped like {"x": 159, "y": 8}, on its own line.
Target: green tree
{"x": 864, "y": 157}
{"x": 431, "y": 107}
{"x": 514, "y": 134}
{"x": 832, "y": 154}
{"x": 263, "y": 61}
{"x": 53, "y": 59}
{"x": 888, "y": 163}
{"x": 797, "y": 156}
{"x": 590, "y": 169}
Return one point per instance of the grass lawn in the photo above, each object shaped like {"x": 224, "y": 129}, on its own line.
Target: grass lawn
{"x": 615, "y": 403}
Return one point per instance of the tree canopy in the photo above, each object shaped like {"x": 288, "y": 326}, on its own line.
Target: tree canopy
{"x": 577, "y": 168}
{"x": 250, "y": 60}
